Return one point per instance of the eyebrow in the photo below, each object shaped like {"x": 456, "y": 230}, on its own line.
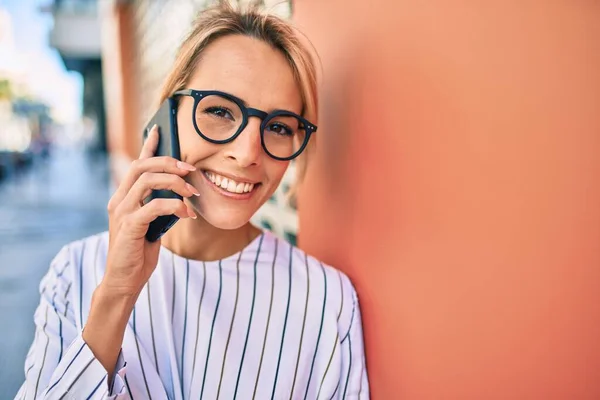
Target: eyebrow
{"x": 245, "y": 103}
{"x": 270, "y": 110}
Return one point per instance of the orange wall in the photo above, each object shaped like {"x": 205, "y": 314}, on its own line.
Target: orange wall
{"x": 119, "y": 87}
{"x": 457, "y": 182}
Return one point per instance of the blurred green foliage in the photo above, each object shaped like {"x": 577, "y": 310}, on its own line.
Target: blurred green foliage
{"x": 5, "y": 89}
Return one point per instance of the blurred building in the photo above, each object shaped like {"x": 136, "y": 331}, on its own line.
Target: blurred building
{"x": 76, "y": 36}
{"x": 7, "y": 43}
{"x": 23, "y": 119}
{"x": 139, "y": 41}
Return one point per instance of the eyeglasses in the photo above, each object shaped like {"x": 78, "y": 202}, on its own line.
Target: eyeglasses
{"x": 220, "y": 117}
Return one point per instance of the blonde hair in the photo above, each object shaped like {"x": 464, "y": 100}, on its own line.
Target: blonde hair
{"x": 222, "y": 20}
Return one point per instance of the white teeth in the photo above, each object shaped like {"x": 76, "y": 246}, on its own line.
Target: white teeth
{"x": 229, "y": 184}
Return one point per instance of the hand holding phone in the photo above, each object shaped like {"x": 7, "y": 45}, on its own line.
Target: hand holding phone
{"x": 168, "y": 145}
{"x": 131, "y": 257}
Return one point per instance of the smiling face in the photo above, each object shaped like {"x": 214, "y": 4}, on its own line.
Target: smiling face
{"x": 236, "y": 178}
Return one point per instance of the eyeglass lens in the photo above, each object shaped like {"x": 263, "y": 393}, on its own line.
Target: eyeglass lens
{"x": 219, "y": 118}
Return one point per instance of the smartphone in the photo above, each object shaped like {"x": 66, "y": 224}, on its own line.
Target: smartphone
{"x": 168, "y": 145}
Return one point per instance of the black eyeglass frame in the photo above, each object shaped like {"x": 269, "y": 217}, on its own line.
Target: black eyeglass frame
{"x": 247, "y": 112}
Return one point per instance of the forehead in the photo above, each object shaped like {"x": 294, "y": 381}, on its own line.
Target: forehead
{"x": 250, "y": 69}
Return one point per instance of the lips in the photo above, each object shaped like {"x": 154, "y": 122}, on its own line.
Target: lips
{"x": 228, "y": 184}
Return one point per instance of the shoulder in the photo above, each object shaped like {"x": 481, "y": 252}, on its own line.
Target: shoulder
{"x": 81, "y": 264}
{"x": 337, "y": 288}
{"x": 81, "y": 256}
{"x": 84, "y": 250}
{"x": 72, "y": 272}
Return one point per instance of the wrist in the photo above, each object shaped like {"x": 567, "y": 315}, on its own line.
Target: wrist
{"x": 106, "y": 324}
{"x": 109, "y": 315}
{"x": 113, "y": 289}
{"x": 113, "y": 300}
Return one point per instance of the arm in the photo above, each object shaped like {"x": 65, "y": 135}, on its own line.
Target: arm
{"x": 106, "y": 325}
{"x": 59, "y": 360}
{"x": 354, "y": 383}
{"x": 86, "y": 368}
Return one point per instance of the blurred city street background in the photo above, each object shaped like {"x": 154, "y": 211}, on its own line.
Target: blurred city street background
{"x": 42, "y": 207}
{"x": 54, "y": 173}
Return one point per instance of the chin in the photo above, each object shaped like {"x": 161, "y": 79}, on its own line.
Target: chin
{"x": 226, "y": 221}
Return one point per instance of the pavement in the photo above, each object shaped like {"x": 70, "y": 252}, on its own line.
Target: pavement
{"x": 48, "y": 205}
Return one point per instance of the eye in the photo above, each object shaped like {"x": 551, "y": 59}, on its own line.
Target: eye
{"x": 280, "y": 129}
{"x": 220, "y": 112}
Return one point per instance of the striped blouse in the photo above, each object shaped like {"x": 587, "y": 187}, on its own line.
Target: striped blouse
{"x": 268, "y": 322}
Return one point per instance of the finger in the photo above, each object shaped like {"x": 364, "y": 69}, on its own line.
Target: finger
{"x": 137, "y": 222}
{"x": 153, "y": 164}
{"x": 158, "y": 207}
{"x": 149, "y": 181}
{"x": 150, "y": 144}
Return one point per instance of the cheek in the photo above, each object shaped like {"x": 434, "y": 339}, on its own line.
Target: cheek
{"x": 192, "y": 147}
{"x": 275, "y": 171}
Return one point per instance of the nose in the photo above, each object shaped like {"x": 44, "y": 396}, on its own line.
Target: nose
{"x": 246, "y": 149}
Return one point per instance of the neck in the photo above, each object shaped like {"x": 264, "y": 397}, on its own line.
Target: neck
{"x": 199, "y": 240}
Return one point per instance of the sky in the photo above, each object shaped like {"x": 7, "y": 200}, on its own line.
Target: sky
{"x": 39, "y": 65}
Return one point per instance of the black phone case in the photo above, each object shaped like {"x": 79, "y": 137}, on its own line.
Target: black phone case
{"x": 168, "y": 145}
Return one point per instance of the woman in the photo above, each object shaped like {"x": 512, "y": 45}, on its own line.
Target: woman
{"x": 217, "y": 308}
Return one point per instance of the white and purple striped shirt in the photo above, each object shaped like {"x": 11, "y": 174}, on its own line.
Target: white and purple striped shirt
{"x": 268, "y": 322}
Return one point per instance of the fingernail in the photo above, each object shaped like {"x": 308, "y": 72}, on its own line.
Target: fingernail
{"x": 185, "y": 166}
{"x": 192, "y": 189}
{"x": 192, "y": 214}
